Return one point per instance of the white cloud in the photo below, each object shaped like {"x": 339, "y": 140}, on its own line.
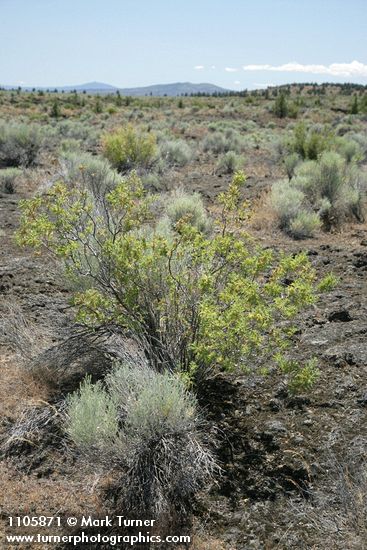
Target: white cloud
{"x": 355, "y": 68}
{"x": 213, "y": 67}
{"x": 237, "y": 82}
{"x": 231, "y": 69}
{"x": 199, "y": 67}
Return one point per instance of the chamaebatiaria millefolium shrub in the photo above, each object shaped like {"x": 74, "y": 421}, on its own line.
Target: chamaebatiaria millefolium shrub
{"x": 193, "y": 300}
{"x": 147, "y": 425}
{"x": 126, "y": 148}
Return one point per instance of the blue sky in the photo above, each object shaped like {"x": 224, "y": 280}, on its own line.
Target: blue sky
{"x": 233, "y": 43}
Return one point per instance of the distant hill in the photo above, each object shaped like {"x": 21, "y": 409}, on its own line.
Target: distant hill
{"x": 175, "y": 89}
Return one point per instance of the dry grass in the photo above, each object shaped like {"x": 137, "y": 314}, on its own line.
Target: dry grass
{"x": 18, "y": 388}
{"x": 57, "y": 496}
{"x": 209, "y": 543}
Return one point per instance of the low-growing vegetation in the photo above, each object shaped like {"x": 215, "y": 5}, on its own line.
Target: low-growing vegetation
{"x": 168, "y": 353}
{"x": 324, "y": 192}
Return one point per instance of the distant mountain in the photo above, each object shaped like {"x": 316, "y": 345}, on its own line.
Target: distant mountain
{"x": 175, "y": 89}
{"x": 91, "y": 87}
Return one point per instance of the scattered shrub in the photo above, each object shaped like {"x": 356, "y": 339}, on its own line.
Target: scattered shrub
{"x": 230, "y": 163}
{"x": 287, "y": 202}
{"x": 147, "y": 424}
{"x": 127, "y": 149}
{"x": 219, "y": 142}
{"x": 291, "y": 162}
{"x": 329, "y": 189}
{"x": 281, "y": 106}
{"x": 20, "y": 144}
{"x": 187, "y": 207}
{"x": 304, "y": 224}
{"x": 349, "y": 149}
{"x": 309, "y": 143}
{"x": 8, "y": 177}
{"x": 176, "y": 153}
{"x": 94, "y": 172}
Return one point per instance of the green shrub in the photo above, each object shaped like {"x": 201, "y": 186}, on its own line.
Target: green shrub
{"x": 20, "y": 144}
{"x": 331, "y": 175}
{"x": 176, "y": 153}
{"x": 219, "y": 142}
{"x": 349, "y": 149}
{"x": 92, "y": 418}
{"x": 94, "y": 172}
{"x": 304, "y": 224}
{"x": 329, "y": 189}
{"x": 229, "y": 163}
{"x": 309, "y": 143}
{"x": 182, "y": 206}
{"x": 291, "y": 162}
{"x": 55, "y": 110}
{"x": 157, "y": 442}
{"x": 280, "y": 108}
{"x": 8, "y": 177}
{"x": 287, "y": 202}
{"x": 126, "y": 149}
{"x": 195, "y": 302}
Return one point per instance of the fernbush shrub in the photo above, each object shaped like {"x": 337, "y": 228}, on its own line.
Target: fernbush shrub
{"x": 193, "y": 301}
{"x": 127, "y": 149}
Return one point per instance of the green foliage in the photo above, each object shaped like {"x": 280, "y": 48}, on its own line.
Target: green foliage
{"x": 146, "y": 424}
{"x": 55, "y": 110}
{"x": 176, "y": 153}
{"x": 193, "y": 301}
{"x": 291, "y": 162}
{"x": 281, "y": 106}
{"x": 189, "y": 209}
{"x": 8, "y": 177}
{"x": 229, "y": 163}
{"x": 222, "y": 142}
{"x": 98, "y": 107}
{"x": 304, "y": 224}
{"x": 354, "y": 108}
{"x": 309, "y": 143}
{"x": 287, "y": 202}
{"x": 20, "y": 144}
{"x": 92, "y": 420}
{"x": 128, "y": 149}
{"x": 349, "y": 149}
{"x": 327, "y": 190}
{"x": 94, "y": 173}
